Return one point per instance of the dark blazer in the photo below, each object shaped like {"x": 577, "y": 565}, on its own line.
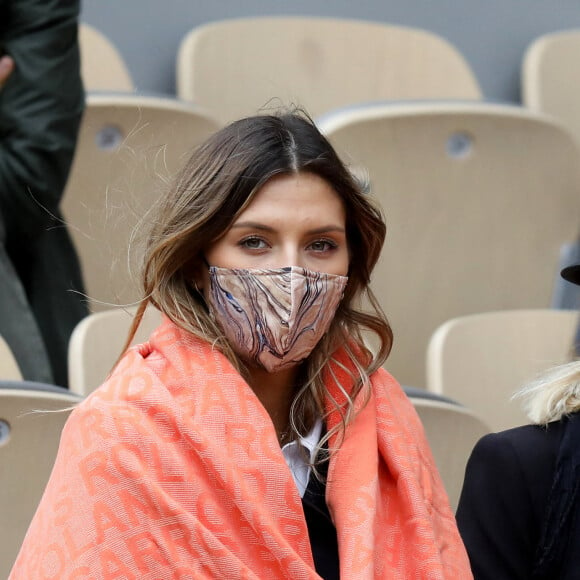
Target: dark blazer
{"x": 502, "y": 507}
{"x": 321, "y": 530}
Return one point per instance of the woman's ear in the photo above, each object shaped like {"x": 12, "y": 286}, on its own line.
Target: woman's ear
{"x": 199, "y": 281}
{"x": 196, "y": 276}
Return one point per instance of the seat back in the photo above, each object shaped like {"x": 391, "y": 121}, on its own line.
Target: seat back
{"x": 102, "y": 66}
{"x": 452, "y": 431}
{"x": 97, "y": 341}
{"x": 551, "y": 77}
{"x": 237, "y": 67}
{"x": 31, "y": 420}
{"x": 127, "y": 149}
{"x": 478, "y": 199}
{"x": 483, "y": 359}
{"x": 9, "y": 370}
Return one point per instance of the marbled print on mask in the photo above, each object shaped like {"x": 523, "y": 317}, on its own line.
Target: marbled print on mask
{"x": 274, "y": 317}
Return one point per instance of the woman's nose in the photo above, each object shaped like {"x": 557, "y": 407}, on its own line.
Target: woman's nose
{"x": 291, "y": 256}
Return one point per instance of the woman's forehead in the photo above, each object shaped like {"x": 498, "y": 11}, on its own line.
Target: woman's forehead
{"x": 302, "y": 193}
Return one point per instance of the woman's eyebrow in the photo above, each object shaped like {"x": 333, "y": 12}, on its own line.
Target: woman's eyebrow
{"x": 328, "y": 229}
{"x": 252, "y": 225}
{"x": 259, "y": 226}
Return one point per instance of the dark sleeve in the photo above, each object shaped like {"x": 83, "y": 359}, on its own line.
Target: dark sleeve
{"x": 496, "y": 515}
{"x": 40, "y": 105}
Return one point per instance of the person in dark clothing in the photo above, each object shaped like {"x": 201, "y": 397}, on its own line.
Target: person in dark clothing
{"x": 41, "y": 104}
{"x": 519, "y": 510}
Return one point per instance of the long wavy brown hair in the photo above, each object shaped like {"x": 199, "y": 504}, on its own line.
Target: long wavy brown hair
{"x": 221, "y": 178}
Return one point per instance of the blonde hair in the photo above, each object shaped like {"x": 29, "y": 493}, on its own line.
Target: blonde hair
{"x": 220, "y": 180}
{"x": 553, "y": 394}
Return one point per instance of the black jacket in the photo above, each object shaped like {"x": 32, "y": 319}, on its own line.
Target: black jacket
{"x": 519, "y": 511}
{"x": 41, "y": 105}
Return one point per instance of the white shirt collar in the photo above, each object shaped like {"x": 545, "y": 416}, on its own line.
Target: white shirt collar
{"x": 295, "y": 458}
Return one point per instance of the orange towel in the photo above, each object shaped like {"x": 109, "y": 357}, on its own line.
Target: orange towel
{"x": 172, "y": 469}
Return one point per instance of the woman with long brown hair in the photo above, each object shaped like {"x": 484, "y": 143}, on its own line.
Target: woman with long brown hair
{"x": 255, "y": 435}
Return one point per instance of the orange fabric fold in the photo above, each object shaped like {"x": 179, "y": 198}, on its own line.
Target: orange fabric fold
{"x": 172, "y": 469}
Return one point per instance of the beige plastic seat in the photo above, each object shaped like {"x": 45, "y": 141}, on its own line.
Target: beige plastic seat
{"x": 31, "y": 420}
{"x": 452, "y": 431}
{"x": 102, "y": 66}
{"x": 237, "y": 67}
{"x": 551, "y": 77}
{"x": 483, "y": 359}
{"x": 128, "y": 147}
{"x": 96, "y": 344}
{"x": 478, "y": 200}
{"x": 9, "y": 370}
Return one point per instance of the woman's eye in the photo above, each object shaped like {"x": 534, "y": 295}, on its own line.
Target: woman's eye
{"x": 253, "y": 243}
{"x": 323, "y": 245}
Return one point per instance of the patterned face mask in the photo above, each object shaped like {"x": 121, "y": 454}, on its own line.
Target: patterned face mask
{"x": 274, "y": 318}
